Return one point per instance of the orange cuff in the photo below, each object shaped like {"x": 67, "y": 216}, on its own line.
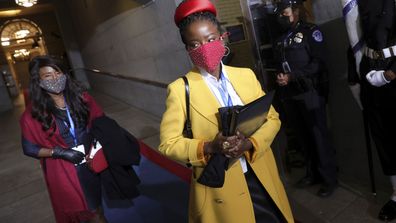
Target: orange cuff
{"x": 250, "y": 155}
{"x": 201, "y": 153}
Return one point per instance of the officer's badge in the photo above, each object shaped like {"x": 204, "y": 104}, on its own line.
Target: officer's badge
{"x": 317, "y": 35}
{"x": 298, "y": 37}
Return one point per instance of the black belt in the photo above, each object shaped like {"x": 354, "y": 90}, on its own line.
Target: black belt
{"x": 380, "y": 54}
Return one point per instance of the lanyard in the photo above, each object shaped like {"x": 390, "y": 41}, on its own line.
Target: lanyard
{"x": 224, "y": 92}
{"x": 71, "y": 129}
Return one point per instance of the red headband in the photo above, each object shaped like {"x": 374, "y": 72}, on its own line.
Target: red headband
{"x": 192, "y": 6}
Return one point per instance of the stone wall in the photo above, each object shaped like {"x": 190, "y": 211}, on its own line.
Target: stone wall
{"x": 142, "y": 42}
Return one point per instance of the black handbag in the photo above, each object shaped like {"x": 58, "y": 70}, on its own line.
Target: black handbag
{"x": 214, "y": 172}
{"x": 187, "y": 131}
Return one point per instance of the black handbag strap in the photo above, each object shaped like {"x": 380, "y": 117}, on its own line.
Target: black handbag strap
{"x": 187, "y": 131}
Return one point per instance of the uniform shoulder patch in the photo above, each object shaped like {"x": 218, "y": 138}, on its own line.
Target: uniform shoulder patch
{"x": 317, "y": 35}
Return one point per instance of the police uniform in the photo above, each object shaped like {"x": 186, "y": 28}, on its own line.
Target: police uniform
{"x": 299, "y": 52}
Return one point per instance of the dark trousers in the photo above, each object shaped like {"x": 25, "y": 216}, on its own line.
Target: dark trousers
{"x": 306, "y": 114}
{"x": 91, "y": 185}
{"x": 380, "y": 107}
{"x": 265, "y": 210}
{"x": 382, "y": 122}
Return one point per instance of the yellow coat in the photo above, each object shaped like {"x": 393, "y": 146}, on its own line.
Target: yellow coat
{"x": 232, "y": 202}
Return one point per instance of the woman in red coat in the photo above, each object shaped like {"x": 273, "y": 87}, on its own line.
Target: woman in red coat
{"x": 53, "y": 127}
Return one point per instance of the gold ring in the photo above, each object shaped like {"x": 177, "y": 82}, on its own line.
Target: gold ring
{"x": 226, "y": 145}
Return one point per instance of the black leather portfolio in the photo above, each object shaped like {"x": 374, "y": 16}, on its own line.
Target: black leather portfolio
{"x": 246, "y": 119}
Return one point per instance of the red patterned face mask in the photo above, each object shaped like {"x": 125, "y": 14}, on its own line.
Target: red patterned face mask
{"x": 208, "y": 56}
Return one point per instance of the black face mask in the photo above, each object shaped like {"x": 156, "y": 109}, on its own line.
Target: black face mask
{"x": 284, "y": 22}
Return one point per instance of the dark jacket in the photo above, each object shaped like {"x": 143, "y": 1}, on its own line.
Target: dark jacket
{"x": 302, "y": 48}
{"x": 378, "y": 22}
{"x": 122, "y": 151}
{"x": 379, "y": 27}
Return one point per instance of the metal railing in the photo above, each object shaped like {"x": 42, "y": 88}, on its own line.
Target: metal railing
{"x": 120, "y": 76}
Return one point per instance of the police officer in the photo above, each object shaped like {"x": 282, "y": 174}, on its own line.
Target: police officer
{"x": 378, "y": 85}
{"x": 302, "y": 88}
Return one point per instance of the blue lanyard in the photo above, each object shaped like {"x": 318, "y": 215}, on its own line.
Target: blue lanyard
{"x": 224, "y": 92}
{"x": 71, "y": 129}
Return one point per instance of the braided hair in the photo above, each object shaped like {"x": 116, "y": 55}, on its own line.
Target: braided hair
{"x": 198, "y": 16}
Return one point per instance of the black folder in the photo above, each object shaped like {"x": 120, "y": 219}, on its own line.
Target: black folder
{"x": 246, "y": 119}
{"x": 250, "y": 117}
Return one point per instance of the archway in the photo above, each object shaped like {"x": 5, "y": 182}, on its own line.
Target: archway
{"x": 21, "y": 40}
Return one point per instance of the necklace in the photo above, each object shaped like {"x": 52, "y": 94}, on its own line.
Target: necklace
{"x": 64, "y": 108}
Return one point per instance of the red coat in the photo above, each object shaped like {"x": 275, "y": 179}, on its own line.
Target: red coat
{"x": 67, "y": 198}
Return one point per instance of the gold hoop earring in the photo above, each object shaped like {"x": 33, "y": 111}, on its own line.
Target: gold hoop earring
{"x": 228, "y": 51}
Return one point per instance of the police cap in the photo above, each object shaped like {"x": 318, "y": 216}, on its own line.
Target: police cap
{"x": 282, "y": 4}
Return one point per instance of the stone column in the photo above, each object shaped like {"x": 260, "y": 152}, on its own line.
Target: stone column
{"x": 5, "y": 101}
{"x": 63, "y": 16}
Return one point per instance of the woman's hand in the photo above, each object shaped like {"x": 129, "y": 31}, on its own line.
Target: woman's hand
{"x": 67, "y": 154}
{"x": 220, "y": 144}
{"x": 242, "y": 144}
{"x": 282, "y": 79}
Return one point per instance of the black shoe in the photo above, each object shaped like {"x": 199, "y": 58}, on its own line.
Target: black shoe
{"x": 326, "y": 190}
{"x": 388, "y": 211}
{"x": 306, "y": 182}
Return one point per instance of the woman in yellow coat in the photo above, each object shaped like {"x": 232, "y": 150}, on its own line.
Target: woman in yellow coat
{"x": 252, "y": 190}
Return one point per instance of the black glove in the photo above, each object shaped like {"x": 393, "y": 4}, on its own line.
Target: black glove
{"x": 68, "y": 154}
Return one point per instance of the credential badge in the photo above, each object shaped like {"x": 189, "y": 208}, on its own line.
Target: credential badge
{"x": 298, "y": 37}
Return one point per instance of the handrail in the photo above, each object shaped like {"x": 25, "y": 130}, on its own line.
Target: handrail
{"x": 135, "y": 79}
